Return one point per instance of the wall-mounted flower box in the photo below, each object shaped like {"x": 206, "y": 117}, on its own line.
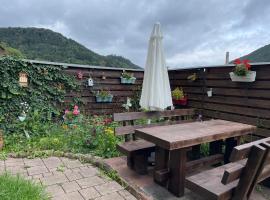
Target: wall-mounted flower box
{"x": 104, "y": 99}
{"x": 180, "y": 102}
{"x": 242, "y": 72}
{"x": 249, "y": 77}
{"x": 127, "y": 78}
{"x": 104, "y": 96}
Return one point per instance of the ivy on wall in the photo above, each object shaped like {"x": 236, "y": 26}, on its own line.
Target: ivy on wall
{"x": 47, "y": 86}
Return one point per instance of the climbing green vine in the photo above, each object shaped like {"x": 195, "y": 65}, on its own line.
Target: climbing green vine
{"x": 47, "y": 86}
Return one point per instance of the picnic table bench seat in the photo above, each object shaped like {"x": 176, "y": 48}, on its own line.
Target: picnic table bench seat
{"x": 138, "y": 150}
{"x": 250, "y": 164}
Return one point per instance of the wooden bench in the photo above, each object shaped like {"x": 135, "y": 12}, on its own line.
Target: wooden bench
{"x": 138, "y": 150}
{"x": 250, "y": 164}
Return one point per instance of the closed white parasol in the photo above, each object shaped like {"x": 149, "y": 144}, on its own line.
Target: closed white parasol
{"x": 156, "y": 91}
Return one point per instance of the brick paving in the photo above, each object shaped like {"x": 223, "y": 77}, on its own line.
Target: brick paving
{"x": 67, "y": 179}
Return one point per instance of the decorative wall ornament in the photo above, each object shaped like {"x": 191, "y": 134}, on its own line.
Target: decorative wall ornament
{"x": 23, "y": 79}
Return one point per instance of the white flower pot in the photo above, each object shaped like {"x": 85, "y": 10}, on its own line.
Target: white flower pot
{"x": 250, "y": 77}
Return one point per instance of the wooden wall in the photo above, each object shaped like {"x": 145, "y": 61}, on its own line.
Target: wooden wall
{"x": 241, "y": 102}
{"x": 112, "y": 83}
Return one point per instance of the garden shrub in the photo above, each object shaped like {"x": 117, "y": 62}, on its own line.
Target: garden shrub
{"x": 47, "y": 86}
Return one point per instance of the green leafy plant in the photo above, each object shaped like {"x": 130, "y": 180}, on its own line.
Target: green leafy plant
{"x": 103, "y": 94}
{"x": 178, "y": 93}
{"x": 241, "y": 67}
{"x": 127, "y": 75}
{"x": 47, "y": 86}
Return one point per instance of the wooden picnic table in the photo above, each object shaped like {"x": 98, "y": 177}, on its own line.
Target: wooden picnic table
{"x": 173, "y": 141}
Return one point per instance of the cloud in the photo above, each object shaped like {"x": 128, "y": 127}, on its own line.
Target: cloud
{"x": 195, "y": 32}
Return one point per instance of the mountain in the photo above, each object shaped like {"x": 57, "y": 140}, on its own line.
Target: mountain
{"x": 260, "y": 55}
{"x": 44, "y": 44}
{"x": 7, "y": 50}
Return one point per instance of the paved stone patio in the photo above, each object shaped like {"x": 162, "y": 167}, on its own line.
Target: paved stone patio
{"x": 67, "y": 179}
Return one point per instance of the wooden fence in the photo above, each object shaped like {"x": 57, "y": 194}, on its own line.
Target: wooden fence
{"x": 241, "y": 102}
{"x": 106, "y": 79}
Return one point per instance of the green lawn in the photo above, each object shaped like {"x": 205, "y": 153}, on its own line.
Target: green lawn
{"x": 17, "y": 188}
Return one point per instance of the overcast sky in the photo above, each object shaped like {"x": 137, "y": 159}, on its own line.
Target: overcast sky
{"x": 196, "y": 32}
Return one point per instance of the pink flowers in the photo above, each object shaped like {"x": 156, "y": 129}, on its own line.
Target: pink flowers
{"x": 79, "y": 75}
{"x": 75, "y": 111}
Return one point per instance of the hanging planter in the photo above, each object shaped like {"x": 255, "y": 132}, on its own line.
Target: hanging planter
{"x": 127, "y": 78}
{"x": 242, "y": 72}
{"x": 104, "y": 96}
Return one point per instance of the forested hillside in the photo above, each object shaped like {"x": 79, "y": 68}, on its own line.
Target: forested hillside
{"x": 44, "y": 44}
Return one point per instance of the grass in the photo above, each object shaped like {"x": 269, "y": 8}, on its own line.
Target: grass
{"x": 17, "y": 188}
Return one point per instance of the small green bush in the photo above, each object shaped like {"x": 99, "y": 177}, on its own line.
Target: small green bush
{"x": 17, "y": 188}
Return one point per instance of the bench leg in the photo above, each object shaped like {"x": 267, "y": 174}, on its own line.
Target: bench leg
{"x": 177, "y": 169}
{"x": 230, "y": 144}
{"x": 140, "y": 160}
{"x": 130, "y": 161}
{"x": 161, "y": 159}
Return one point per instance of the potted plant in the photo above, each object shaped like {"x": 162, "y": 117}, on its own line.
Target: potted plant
{"x": 178, "y": 97}
{"x": 242, "y": 72}
{"x": 127, "y": 78}
{"x": 104, "y": 96}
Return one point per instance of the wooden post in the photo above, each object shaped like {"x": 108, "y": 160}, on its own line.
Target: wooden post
{"x": 161, "y": 159}
{"x": 177, "y": 169}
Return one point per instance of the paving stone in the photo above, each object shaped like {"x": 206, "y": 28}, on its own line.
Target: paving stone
{"x": 71, "y": 186}
{"x": 37, "y": 176}
{"x": 16, "y": 169}
{"x": 109, "y": 187}
{"x": 33, "y": 162}
{"x": 47, "y": 174}
{"x": 126, "y": 195}
{"x": 73, "y": 175}
{"x": 90, "y": 181}
{"x": 88, "y": 171}
{"x": 77, "y": 182}
{"x": 55, "y": 190}
{"x": 52, "y": 162}
{"x": 37, "y": 170}
{"x": 54, "y": 179}
{"x": 112, "y": 196}
{"x": 89, "y": 193}
{"x": 70, "y": 196}
{"x": 72, "y": 163}
{"x": 14, "y": 162}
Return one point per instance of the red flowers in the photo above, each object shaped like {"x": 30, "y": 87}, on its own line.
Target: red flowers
{"x": 244, "y": 62}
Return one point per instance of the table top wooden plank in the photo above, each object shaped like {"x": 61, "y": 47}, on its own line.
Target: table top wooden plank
{"x": 190, "y": 134}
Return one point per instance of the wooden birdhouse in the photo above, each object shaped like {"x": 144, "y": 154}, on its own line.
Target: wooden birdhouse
{"x": 23, "y": 79}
